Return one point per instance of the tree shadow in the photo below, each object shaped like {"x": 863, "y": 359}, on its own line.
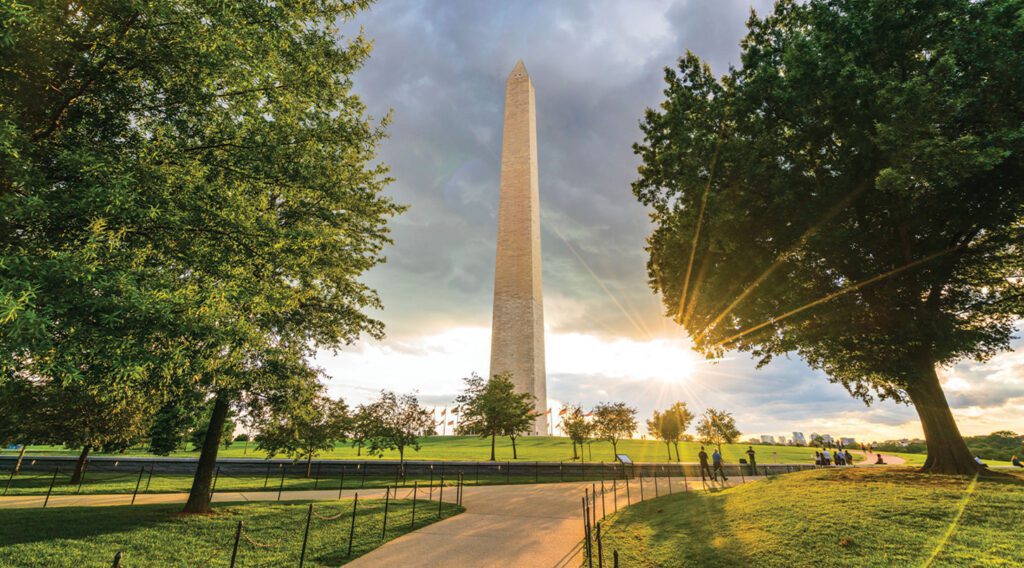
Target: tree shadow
{"x": 25, "y": 526}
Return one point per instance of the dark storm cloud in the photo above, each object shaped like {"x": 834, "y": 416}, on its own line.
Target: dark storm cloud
{"x": 441, "y": 67}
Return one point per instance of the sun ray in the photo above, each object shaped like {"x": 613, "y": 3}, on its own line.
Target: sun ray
{"x": 700, "y": 221}
{"x": 832, "y": 212}
{"x": 833, "y": 295}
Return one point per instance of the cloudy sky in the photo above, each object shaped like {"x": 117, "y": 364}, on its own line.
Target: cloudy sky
{"x": 440, "y": 68}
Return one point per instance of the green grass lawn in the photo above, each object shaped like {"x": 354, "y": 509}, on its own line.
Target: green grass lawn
{"x": 533, "y": 448}
{"x": 155, "y": 535}
{"x": 853, "y": 517}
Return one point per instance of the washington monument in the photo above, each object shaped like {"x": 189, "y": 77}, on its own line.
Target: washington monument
{"x": 517, "y": 327}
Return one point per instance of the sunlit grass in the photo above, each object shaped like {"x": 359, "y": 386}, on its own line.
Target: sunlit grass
{"x": 849, "y": 517}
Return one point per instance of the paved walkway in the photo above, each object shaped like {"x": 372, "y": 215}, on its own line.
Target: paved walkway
{"x": 517, "y": 525}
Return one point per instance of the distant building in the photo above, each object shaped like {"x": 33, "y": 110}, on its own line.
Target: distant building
{"x": 753, "y": 441}
{"x": 827, "y": 438}
{"x": 781, "y": 440}
{"x": 766, "y": 439}
{"x": 798, "y": 438}
{"x": 848, "y": 441}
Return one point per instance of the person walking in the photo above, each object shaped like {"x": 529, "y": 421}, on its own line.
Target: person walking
{"x": 704, "y": 463}
{"x": 826, "y": 457}
{"x": 848, "y": 456}
{"x": 716, "y": 459}
{"x": 817, "y": 458}
{"x": 1016, "y": 462}
{"x": 753, "y": 461}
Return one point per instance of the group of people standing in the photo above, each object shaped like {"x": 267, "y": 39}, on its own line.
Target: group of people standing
{"x": 838, "y": 457}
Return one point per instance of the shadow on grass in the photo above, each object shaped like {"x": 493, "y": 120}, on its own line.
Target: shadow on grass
{"x": 693, "y": 532}
{"x": 24, "y": 526}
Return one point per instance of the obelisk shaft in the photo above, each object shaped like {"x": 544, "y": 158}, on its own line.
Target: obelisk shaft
{"x": 517, "y": 327}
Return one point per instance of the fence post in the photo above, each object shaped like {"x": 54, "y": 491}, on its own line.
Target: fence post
{"x": 387, "y": 500}
{"x": 477, "y": 473}
{"x": 600, "y": 549}
{"x": 641, "y": 485}
{"x": 615, "y": 494}
{"x": 341, "y": 486}
{"x": 81, "y": 481}
{"x": 686, "y": 484}
{"x": 117, "y": 560}
{"x": 266, "y": 478}
{"x": 629, "y": 499}
{"x": 234, "y": 549}
{"x": 603, "y": 513}
{"x": 440, "y": 496}
{"x": 280, "y": 486}
{"x": 656, "y": 482}
{"x": 213, "y": 487}
{"x": 561, "y": 476}
{"x": 48, "y": 491}
{"x": 430, "y": 491}
{"x": 508, "y": 472}
{"x": 150, "y": 477}
{"x": 139, "y": 481}
{"x": 536, "y": 471}
{"x": 412, "y": 522}
{"x": 669, "y": 476}
{"x": 352, "y": 527}
{"x": 9, "y": 479}
{"x": 615, "y": 558}
{"x": 316, "y": 481}
{"x": 305, "y": 536}
{"x": 362, "y": 483}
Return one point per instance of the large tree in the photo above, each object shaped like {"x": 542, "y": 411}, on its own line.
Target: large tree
{"x": 614, "y": 421}
{"x": 852, "y": 193}
{"x": 189, "y": 195}
{"x": 492, "y": 408}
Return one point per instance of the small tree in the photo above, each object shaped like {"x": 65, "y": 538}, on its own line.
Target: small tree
{"x": 613, "y": 421}
{"x": 669, "y": 426}
{"x": 493, "y": 408}
{"x": 305, "y": 430}
{"x": 576, "y": 426}
{"x": 360, "y": 428}
{"x": 395, "y": 423}
{"x": 717, "y": 427}
{"x": 681, "y": 417}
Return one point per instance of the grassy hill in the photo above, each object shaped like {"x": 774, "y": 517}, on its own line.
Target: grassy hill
{"x": 539, "y": 448}
{"x": 855, "y": 517}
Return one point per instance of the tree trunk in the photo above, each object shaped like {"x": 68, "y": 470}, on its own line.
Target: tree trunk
{"x": 309, "y": 465}
{"x": 76, "y": 477}
{"x": 574, "y": 456}
{"x": 199, "y": 495}
{"x": 947, "y": 450}
{"x": 676, "y": 444}
{"x": 492, "y": 446}
{"x": 21, "y": 456}
{"x": 359, "y": 450}
{"x": 615, "y": 448}
{"x": 515, "y": 456}
{"x": 668, "y": 448}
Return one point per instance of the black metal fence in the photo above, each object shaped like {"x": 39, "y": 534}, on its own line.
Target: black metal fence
{"x": 52, "y": 475}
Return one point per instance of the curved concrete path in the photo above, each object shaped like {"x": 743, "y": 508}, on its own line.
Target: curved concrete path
{"x": 518, "y": 525}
